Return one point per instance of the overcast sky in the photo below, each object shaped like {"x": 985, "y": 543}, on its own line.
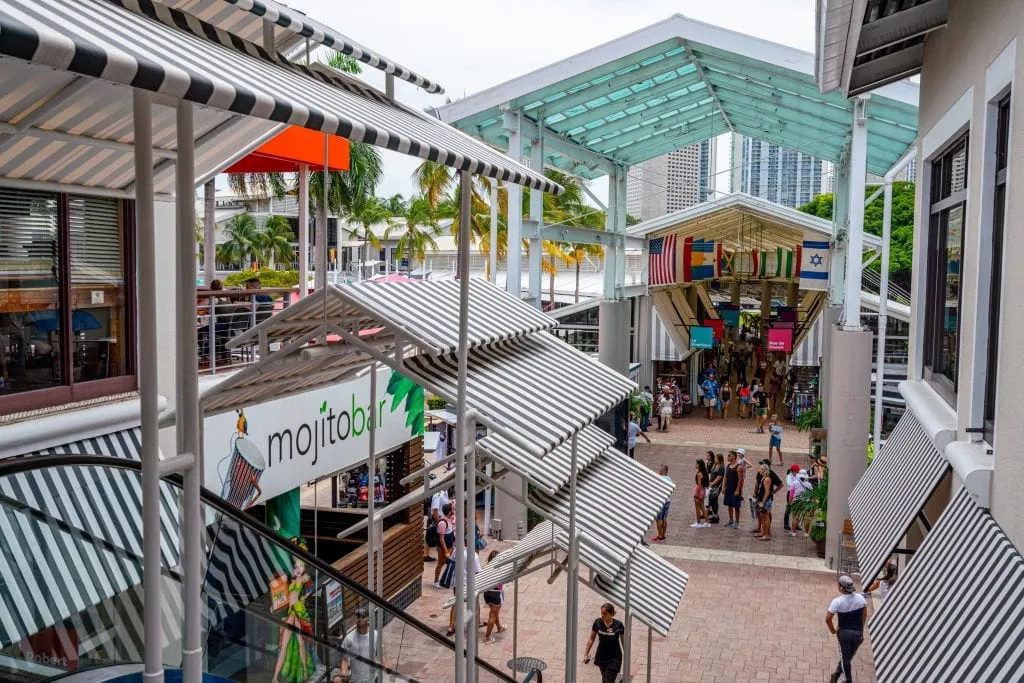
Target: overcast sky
{"x": 470, "y": 46}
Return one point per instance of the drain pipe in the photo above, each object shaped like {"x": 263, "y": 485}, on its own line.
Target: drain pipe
{"x": 883, "y": 293}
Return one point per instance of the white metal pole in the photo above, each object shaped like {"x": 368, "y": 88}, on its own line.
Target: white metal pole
{"x": 321, "y": 227}
{"x": 187, "y": 399}
{"x": 883, "y": 308}
{"x": 515, "y": 622}
{"x": 573, "y": 574}
{"x": 537, "y": 216}
{"x": 514, "y": 252}
{"x": 371, "y": 526}
{"x": 649, "y": 640}
{"x": 488, "y": 493}
{"x": 145, "y": 226}
{"x": 303, "y": 230}
{"x": 493, "y": 256}
{"x": 855, "y": 225}
{"x": 389, "y": 86}
{"x": 471, "y": 598}
{"x": 610, "y": 251}
{"x": 209, "y": 232}
{"x": 627, "y": 640}
{"x": 268, "y": 36}
{"x": 462, "y": 671}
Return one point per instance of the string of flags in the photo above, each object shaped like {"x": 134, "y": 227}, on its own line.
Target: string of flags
{"x": 693, "y": 259}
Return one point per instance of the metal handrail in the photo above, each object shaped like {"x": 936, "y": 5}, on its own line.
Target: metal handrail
{"x": 11, "y": 466}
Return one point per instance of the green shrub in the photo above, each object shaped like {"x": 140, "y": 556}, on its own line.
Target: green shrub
{"x": 436, "y": 403}
{"x": 810, "y": 418}
{"x": 267, "y": 277}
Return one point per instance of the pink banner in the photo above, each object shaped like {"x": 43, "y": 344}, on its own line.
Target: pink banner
{"x": 780, "y": 340}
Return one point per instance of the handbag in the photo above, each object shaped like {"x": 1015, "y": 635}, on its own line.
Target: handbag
{"x": 447, "y": 579}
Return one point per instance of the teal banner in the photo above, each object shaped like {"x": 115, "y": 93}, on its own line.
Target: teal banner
{"x": 702, "y": 337}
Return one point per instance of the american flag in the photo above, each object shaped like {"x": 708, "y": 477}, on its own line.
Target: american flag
{"x": 661, "y": 264}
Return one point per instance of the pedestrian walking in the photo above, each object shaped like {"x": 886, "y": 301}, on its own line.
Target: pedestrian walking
{"x": 645, "y": 417}
{"x": 494, "y": 599}
{"x": 716, "y": 478}
{"x": 665, "y": 405}
{"x": 733, "y": 491}
{"x": 445, "y": 541}
{"x": 852, "y": 611}
{"x": 699, "y": 489}
{"x": 886, "y": 583}
{"x": 470, "y": 563}
{"x": 775, "y": 437}
{"x": 726, "y": 398}
{"x": 633, "y": 432}
{"x": 795, "y": 485}
{"x": 661, "y": 521}
{"x": 743, "y": 391}
{"x": 609, "y": 632}
{"x": 709, "y": 393}
{"x": 358, "y": 664}
{"x": 759, "y": 399}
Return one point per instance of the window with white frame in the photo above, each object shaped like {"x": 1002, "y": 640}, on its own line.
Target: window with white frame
{"x": 996, "y": 282}
{"x": 945, "y": 249}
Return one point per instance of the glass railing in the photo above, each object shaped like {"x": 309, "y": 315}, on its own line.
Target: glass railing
{"x": 71, "y": 589}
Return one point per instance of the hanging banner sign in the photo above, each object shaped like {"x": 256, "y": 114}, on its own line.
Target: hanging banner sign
{"x": 702, "y": 337}
{"x": 730, "y": 315}
{"x": 717, "y": 327}
{"x": 260, "y": 451}
{"x": 780, "y": 339}
{"x": 335, "y": 604}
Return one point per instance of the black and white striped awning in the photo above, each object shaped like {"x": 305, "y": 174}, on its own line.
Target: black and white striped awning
{"x": 663, "y": 347}
{"x": 890, "y": 495}
{"x": 808, "y": 353}
{"x": 551, "y": 472}
{"x": 153, "y": 47}
{"x": 957, "y": 611}
{"x": 537, "y": 391}
{"x": 656, "y": 586}
{"x": 292, "y": 21}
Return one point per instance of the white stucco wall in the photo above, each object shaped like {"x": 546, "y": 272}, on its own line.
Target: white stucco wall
{"x": 966, "y": 68}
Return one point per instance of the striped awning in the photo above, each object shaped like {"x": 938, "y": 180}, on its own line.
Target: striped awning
{"x": 808, "y": 353}
{"x": 298, "y": 23}
{"x": 150, "y": 46}
{"x": 551, "y": 472}
{"x": 663, "y": 347}
{"x": 617, "y": 528}
{"x": 656, "y": 585}
{"x": 892, "y": 492}
{"x": 537, "y": 391}
{"x": 428, "y": 312}
{"x": 957, "y": 612}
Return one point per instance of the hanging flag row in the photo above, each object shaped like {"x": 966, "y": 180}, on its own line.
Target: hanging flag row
{"x": 691, "y": 260}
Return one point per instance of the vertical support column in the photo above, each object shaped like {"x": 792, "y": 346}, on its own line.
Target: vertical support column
{"x": 514, "y": 257}
{"x": 145, "y": 226}
{"x": 840, "y": 219}
{"x": 371, "y": 526}
{"x": 573, "y": 573}
{"x": 645, "y": 325}
{"x": 627, "y": 622}
{"x": 855, "y": 232}
{"x": 883, "y": 314}
{"x": 493, "y": 256}
{"x": 610, "y": 252}
{"x": 389, "y": 86}
{"x": 472, "y": 633}
{"x": 187, "y": 393}
{"x": 619, "y": 209}
{"x": 537, "y": 216}
{"x": 303, "y": 230}
{"x": 209, "y": 232}
{"x": 464, "y": 671}
{"x": 793, "y": 294}
{"x": 766, "y": 305}
{"x": 321, "y": 227}
{"x": 268, "y": 36}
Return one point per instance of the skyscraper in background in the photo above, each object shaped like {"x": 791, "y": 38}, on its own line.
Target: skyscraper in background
{"x": 672, "y": 181}
{"x": 780, "y": 175}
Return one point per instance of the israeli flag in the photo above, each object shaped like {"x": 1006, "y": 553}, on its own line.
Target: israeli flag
{"x": 814, "y": 263}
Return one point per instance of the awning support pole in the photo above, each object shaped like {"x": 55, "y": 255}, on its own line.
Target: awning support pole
{"x": 573, "y": 576}
{"x": 627, "y": 640}
{"x": 488, "y": 494}
{"x": 473, "y": 600}
{"x": 537, "y": 215}
{"x": 515, "y": 624}
{"x": 303, "y": 230}
{"x": 321, "y": 228}
{"x": 649, "y": 639}
{"x": 462, "y": 671}
{"x": 187, "y": 407}
{"x": 514, "y": 254}
{"x": 371, "y": 526}
{"x": 493, "y": 256}
{"x": 145, "y": 227}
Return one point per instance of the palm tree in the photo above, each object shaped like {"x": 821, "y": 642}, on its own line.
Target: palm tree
{"x": 242, "y": 240}
{"x": 395, "y": 204}
{"x": 274, "y": 241}
{"x": 434, "y": 181}
{"x": 373, "y": 212}
{"x": 553, "y": 250}
{"x": 421, "y": 229}
{"x": 575, "y": 254}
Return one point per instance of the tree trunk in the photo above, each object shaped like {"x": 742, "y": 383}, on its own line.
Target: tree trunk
{"x": 209, "y": 232}
{"x": 576, "y": 297}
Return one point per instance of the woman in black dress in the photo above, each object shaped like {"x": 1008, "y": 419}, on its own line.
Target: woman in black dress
{"x": 609, "y": 632}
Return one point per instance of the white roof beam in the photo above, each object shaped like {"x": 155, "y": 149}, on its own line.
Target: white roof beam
{"x": 60, "y": 136}
{"x": 566, "y": 147}
{"x": 707, "y": 84}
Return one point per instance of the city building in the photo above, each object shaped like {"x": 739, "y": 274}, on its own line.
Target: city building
{"x": 953, "y": 460}
{"x": 671, "y": 182}
{"x": 780, "y": 175}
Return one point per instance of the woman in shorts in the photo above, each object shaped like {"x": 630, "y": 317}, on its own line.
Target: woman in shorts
{"x": 494, "y": 598}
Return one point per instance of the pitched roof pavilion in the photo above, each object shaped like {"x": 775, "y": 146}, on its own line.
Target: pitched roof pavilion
{"x": 676, "y": 83}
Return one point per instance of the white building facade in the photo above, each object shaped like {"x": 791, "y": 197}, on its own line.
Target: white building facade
{"x": 672, "y": 182}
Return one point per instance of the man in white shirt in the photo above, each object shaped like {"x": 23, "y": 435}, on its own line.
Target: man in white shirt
{"x": 357, "y": 663}
{"x": 852, "y": 611}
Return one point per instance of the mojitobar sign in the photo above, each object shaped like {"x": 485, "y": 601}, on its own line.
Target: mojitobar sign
{"x": 261, "y": 451}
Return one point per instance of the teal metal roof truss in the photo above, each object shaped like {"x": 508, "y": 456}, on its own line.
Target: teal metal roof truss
{"x": 678, "y": 83}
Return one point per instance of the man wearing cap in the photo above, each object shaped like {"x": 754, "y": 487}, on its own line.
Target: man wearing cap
{"x": 357, "y": 663}
{"x": 852, "y": 610}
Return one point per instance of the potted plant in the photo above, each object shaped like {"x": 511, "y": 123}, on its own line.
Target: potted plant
{"x": 810, "y": 421}
{"x": 812, "y": 505}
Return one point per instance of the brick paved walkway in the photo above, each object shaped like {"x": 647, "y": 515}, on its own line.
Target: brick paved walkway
{"x": 753, "y": 611}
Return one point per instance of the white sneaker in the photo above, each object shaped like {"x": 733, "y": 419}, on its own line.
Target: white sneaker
{"x": 437, "y": 585}
{"x": 792, "y": 533}
{"x": 706, "y": 525}
{"x": 696, "y": 525}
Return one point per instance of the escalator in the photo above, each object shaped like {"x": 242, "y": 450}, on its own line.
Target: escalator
{"x": 71, "y": 589}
